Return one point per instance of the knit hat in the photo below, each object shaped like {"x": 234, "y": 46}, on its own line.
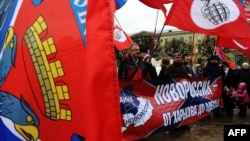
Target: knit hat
{"x": 146, "y": 57}
{"x": 245, "y": 64}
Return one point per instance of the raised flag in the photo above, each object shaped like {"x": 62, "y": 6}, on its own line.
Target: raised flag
{"x": 212, "y": 17}
{"x": 58, "y": 71}
{"x": 121, "y": 39}
{"x": 219, "y": 52}
{"x": 240, "y": 44}
{"x": 157, "y": 4}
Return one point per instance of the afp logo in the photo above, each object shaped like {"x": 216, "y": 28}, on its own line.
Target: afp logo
{"x": 235, "y": 132}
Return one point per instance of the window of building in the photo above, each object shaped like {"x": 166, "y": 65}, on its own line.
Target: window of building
{"x": 166, "y": 40}
{"x": 182, "y": 39}
{"x": 190, "y": 39}
{"x": 199, "y": 38}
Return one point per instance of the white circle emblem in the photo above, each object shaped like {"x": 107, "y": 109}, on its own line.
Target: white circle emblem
{"x": 210, "y": 14}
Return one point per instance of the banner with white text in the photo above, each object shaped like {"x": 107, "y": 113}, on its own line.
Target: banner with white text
{"x": 151, "y": 107}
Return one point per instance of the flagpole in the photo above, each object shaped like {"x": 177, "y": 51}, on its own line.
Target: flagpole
{"x": 192, "y": 51}
{"x": 156, "y": 20}
{"x": 156, "y": 42}
{"x": 201, "y": 49}
{"x": 153, "y": 44}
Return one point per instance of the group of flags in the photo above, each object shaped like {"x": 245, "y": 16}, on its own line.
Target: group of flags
{"x": 49, "y": 66}
{"x": 225, "y": 19}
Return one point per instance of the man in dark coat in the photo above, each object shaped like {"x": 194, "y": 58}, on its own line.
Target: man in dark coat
{"x": 214, "y": 70}
{"x": 133, "y": 67}
{"x": 176, "y": 69}
{"x": 230, "y": 82}
{"x": 130, "y": 68}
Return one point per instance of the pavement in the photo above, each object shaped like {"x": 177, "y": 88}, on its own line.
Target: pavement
{"x": 207, "y": 129}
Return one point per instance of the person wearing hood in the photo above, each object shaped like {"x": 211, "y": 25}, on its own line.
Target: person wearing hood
{"x": 214, "y": 70}
{"x": 242, "y": 98}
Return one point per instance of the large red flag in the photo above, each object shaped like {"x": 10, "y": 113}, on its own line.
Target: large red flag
{"x": 214, "y": 17}
{"x": 240, "y": 44}
{"x": 121, "y": 39}
{"x": 58, "y": 71}
{"x": 157, "y": 4}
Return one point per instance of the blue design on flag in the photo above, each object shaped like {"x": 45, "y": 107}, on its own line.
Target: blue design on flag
{"x": 130, "y": 103}
{"x": 135, "y": 110}
{"x": 80, "y": 12}
{"x": 7, "y": 10}
{"x": 242, "y": 2}
{"x": 120, "y": 3}
{"x": 37, "y": 2}
{"x": 7, "y": 60}
{"x": 21, "y": 115}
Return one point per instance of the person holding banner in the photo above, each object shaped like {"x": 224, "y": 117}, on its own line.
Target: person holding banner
{"x": 165, "y": 62}
{"x": 230, "y": 82}
{"x": 214, "y": 70}
{"x": 176, "y": 69}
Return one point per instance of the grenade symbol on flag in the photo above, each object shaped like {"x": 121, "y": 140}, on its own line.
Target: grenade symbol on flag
{"x": 216, "y": 12}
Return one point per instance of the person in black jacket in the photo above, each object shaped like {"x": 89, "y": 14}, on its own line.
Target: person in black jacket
{"x": 214, "y": 70}
{"x": 133, "y": 67}
{"x": 176, "y": 69}
{"x": 130, "y": 68}
{"x": 230, "y": 82}
{"x": 165, "y": 62}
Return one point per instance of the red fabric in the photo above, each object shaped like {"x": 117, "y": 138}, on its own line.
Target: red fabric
{"x": 79, "y": 78}
{"x": 190, "y": 15}
{"x": 157, "y": 4}
{"x": 121, "y": 39}
{"x": 220, "y": 53}
{"x": 240, "y": 44}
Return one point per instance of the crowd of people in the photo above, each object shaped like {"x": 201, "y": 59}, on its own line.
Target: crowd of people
{"x": 137, "y": 65}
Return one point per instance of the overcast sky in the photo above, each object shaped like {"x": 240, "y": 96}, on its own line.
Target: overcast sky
{"x": 134, "y": 17}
